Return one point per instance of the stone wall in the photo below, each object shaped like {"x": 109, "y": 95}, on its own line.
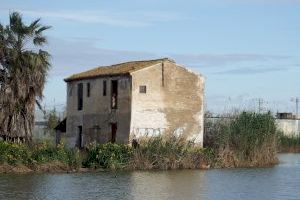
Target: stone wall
{"x": 96, "y": 116}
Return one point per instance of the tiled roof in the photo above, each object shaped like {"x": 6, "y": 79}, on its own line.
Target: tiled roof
{"x": 117, "y": 69}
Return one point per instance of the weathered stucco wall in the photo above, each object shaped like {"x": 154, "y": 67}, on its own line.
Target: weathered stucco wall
{"x": 96, "y": 116}
{"x": 173, "y": 102}
{"x": 289, "y": 127}
{"x": 147, "y": 116}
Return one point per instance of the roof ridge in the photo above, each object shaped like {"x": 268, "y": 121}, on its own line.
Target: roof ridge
{"x": 114, "y": 69}
{"x": 151, "y": 60}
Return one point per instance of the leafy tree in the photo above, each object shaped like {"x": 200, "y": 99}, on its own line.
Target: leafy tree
{"x": 23, "y": 71}
{"x": 52, "y": 119}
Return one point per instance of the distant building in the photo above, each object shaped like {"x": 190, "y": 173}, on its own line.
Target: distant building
{"x": 289, "y": 124}
{"x": 42, "y": 133}
{"x": 129, "y": 100}
{"x": 285, "y": 115}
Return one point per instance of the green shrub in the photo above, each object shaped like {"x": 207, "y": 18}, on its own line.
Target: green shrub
{"x": 14, "y": 153}
{"x": 111, "y": 156}
{"x": 46, "y": 152}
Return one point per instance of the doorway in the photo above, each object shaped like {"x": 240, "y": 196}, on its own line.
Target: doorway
{"x": 113, "y": 132}
{"x": 80, "y": 137}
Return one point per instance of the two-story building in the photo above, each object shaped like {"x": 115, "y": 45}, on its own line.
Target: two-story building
{"x": 129, "y": 100}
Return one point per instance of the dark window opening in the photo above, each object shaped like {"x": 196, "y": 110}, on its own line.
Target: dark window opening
{"x": 80, "y": 96}
{"x": 88, "y": 89}
{"x": 80, "y": 137}
{"x": 113, "y": 132}
{"x": 114, "y": 94}
{"x": 143, "y": 89}
{"x": 104, "y": 88}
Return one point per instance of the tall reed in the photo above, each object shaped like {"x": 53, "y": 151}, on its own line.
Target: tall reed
{"x": 244, "y": 140}
{"x": 170, "y": 152}
{"x": 289, "y": 144}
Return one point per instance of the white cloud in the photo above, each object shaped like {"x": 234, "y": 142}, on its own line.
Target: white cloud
{"x": 72, "y": 56}
{"x": 69, "y": 56}
{"x": 251, "y": 2}
{"x": 111, "y": 18}
{"x": 223, "y": 59}
{"x": 252, "y": 70}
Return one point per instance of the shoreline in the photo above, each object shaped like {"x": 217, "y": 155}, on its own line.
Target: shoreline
{"x": 59, "y": 167}
{"x": 289, "y": 150}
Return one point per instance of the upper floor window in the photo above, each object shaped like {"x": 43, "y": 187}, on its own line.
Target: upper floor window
{"x": 88, "y": 89}
{"x": 143, "y": 89}
{"x": 114, "y": 94}
{"x": 79, "y": 96}
{"x": 104, "y": 88}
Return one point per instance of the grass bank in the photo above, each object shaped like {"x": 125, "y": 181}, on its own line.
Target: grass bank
{"x": 153, "y": 153}
{"x": 42, "y": 157}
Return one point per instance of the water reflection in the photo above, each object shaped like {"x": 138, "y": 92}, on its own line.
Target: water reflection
{"x": 167, "y": 185}
{"x": 280, "y": 182}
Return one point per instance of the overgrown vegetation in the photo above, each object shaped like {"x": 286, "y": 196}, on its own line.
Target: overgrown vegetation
{"x": 14, "y": 154}
{"x": 39, "y": 155}
{"x": 244, "y": 140}
{"x": 289, "y": 144}
{"x": 108, "y": 156}
{"x": 167, "y": 152}
{"x": 153, "y": 153}
{"x": 170, "y": 152}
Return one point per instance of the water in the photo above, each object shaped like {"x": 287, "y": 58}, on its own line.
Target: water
{"x": 280, "y": 182}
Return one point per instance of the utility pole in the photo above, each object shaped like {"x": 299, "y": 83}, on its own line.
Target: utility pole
{"x": 260, "y": 104}
{"x": 297, "y": 101}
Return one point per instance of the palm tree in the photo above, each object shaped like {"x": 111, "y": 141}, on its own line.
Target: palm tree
{"x": 23, "y": 71}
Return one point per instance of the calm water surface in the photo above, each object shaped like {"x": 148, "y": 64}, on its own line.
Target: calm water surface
{"x": 280, "y": 182}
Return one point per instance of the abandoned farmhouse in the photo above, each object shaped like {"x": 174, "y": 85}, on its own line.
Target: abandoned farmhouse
{"x": 129, "y": 100}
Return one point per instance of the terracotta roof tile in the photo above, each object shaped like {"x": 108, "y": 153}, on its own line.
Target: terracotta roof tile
{"x": 121, "y": 68}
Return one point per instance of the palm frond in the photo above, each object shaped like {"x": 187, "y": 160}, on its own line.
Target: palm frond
{"x": 35, "y": 24}
{"x": 41, "y": 29}
{"x": 15, "y": 22}
{"x": 38, "y": 103}
{"x": 39, "y": 40}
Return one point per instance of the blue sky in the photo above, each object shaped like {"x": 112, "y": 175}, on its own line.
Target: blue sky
{"x": 246, "y": 49}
